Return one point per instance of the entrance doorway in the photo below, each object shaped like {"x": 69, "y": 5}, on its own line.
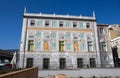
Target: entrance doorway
{"x": 45, "y": 63}
{"x": 92, "y": 62}
{"x": 62, "y": 63}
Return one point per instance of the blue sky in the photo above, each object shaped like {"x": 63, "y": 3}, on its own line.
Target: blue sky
{"x": 11, "y": 12}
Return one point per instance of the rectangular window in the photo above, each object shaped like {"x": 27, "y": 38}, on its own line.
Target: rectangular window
{"x": 68, "y": 35}
{"x": 74, "y": 24}
{"x": 81, "y": 25}
{"x": 101, "y": 31}
{"x": 54, "y": 35}
{"x": 46, "y": 62}
{"x": 60, "y": 23}
{"x": 40, "y": 23}
{"x": 32, "y": 22}
{"x": 62, "y": 63}
{"x": 104, "y": 47}
{"x": 68, "y": 24}
{"x": 90, "y": 46}
{"x": 46, "y": 46}
{"x": 29, "y": 62}
{"x": 30, "y": 45}
{"x": 46, "y": 23}
{"x": 38, "y": 45}
{"x": 54, "y": 23}
{"x": 87, "y": 25}
{"x": 61, "y": 46}
{"x": 76, "y": 46}
{"x": 68, "y": 46}
{"x": 79, "y": 62}
{"x": 54, "y": 45}
{"x": 92, "y": 62}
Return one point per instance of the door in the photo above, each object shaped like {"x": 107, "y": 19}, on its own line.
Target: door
{"x": 79, "y": 62}
{"x": 29, "y": 62}
{"x": 45, "y": 63}
{"x": 92, "y": 62}
{"x": 62, "y": 63}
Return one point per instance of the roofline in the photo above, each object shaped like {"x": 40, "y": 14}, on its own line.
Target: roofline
{"x": 117, "y": 38}
{"x": 102, "y": 24}
{"x": 54, "y": 16}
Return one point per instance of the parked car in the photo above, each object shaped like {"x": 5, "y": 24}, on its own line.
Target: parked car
{"x": 5, "y": 66}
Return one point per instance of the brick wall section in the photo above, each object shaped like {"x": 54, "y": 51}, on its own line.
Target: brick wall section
{"x": 25, "y": 73}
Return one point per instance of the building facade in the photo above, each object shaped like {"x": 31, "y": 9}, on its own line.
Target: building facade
{"x": 52, "y": 41}
{"x": 106, "y": 55}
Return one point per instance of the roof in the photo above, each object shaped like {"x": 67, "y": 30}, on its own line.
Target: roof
{"x": 54, "y": 16}
{"x": 103, "y": 25}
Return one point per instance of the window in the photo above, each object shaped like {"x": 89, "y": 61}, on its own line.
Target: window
{"x": 101, "y": 31}
{"x": 46, "y": 46}
{"x": 74, "y": 24}
{"x": 60, "y": 23}
{"x": 53, "y": 45}
{"x": 92, "y": 62}
{"x": 54, "y": 35}
{"x": 68, "y": 24}
{"x": 32, "y": 22}
{"x": 29, "y": 62}
{"x": 87, "y": 25}
{"x": 30, "y": 45}
{"x": 46, "y": 62}
{"x": 54, "y": 23}
{"x": 62, "y": 63}
{"x": 90, "y": 46}
{"x": 76, "y": 46}
{"x": 40, "y": 23}
{"x": 61, "y": 46}
{"x": 82, "y": 35}
{"x": 38, "y": 45}
{"x": 79, "y": 62}
{"x": 81, "y": 25}
{"x": 104, "y": 47}
{"x": 68, "y": 46}
{"x": 68, "y": 35}
{"x": 46, "y": 23}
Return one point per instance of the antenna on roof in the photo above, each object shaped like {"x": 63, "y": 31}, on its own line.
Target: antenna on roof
{"x": 93, "y": 14}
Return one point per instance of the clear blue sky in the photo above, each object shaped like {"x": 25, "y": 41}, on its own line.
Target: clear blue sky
{"x": 11, "y": 12}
